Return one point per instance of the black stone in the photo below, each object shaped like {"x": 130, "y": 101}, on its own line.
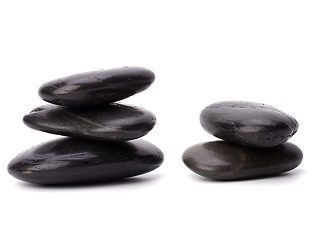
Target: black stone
{"x": 248, "y": 123}
{"x": 97, "y": 87}
{"x": 112, "y": 122}
{"x": 72, "y": 161}
{"x": 222, "y": 160}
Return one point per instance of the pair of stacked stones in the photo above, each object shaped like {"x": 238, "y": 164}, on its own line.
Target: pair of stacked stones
{"x": 255, "y": 143}
{"x": 101, "y": 136}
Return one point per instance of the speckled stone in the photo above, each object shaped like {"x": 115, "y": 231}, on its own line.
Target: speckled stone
{"x": 221, "y": 160}
{"x": 248, "y": 123}
{"x": 73, "y": 161}
{"x": 112, "y": 122}
{"x": 97, "y": 87}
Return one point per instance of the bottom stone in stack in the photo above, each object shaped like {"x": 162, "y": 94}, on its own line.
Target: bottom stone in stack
{"x": 222, "y": 160}
{"x": 72, "y": 161}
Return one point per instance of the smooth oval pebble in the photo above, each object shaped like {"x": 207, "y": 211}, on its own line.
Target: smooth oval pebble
{"x": 97, "y": 87}
{"x": 112, "y": 122}
{"x": 222, "y": 160}
{"x": 248, "y": 123}
{"x": 71, "y": 161}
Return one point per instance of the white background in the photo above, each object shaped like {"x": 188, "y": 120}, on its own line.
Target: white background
{"x": 201, "y": 52}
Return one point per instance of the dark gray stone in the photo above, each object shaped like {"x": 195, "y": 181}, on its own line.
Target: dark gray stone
{"x": 73, "y": 161}
{"x": 112, "y": 122}
{"x": 248, "y": 123}
{"x": 97, "y": 87}
{"x": 222, "y": 160}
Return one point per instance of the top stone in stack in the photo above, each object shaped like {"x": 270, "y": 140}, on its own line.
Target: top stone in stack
{"x": 87, "y": 109}
{"x": 97, "y": 88}
{"x": 248, "y": 123}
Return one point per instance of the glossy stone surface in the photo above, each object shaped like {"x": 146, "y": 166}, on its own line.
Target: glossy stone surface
{"x": 113, "y": 122}
{"x": 248, "y": 123}
{"x": 71, "y": 161}
{"x": 97, "y": 87}
{"x": 222, "y": 160}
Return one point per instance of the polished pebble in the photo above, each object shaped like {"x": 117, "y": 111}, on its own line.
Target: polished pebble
{"x": 113, "y": 122}
{"x": 222, "y": 160}
{"x": 97, "y": 87}
{"x": 72, "y": 161}
{"x": 248, "y": 123}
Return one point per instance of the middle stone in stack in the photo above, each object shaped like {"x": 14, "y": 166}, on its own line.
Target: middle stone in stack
{"x": 99, "y": 149}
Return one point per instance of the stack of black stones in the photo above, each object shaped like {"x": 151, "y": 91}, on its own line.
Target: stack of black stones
{"x": 255, "y": 142}
{"x": 100, "y": 143}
